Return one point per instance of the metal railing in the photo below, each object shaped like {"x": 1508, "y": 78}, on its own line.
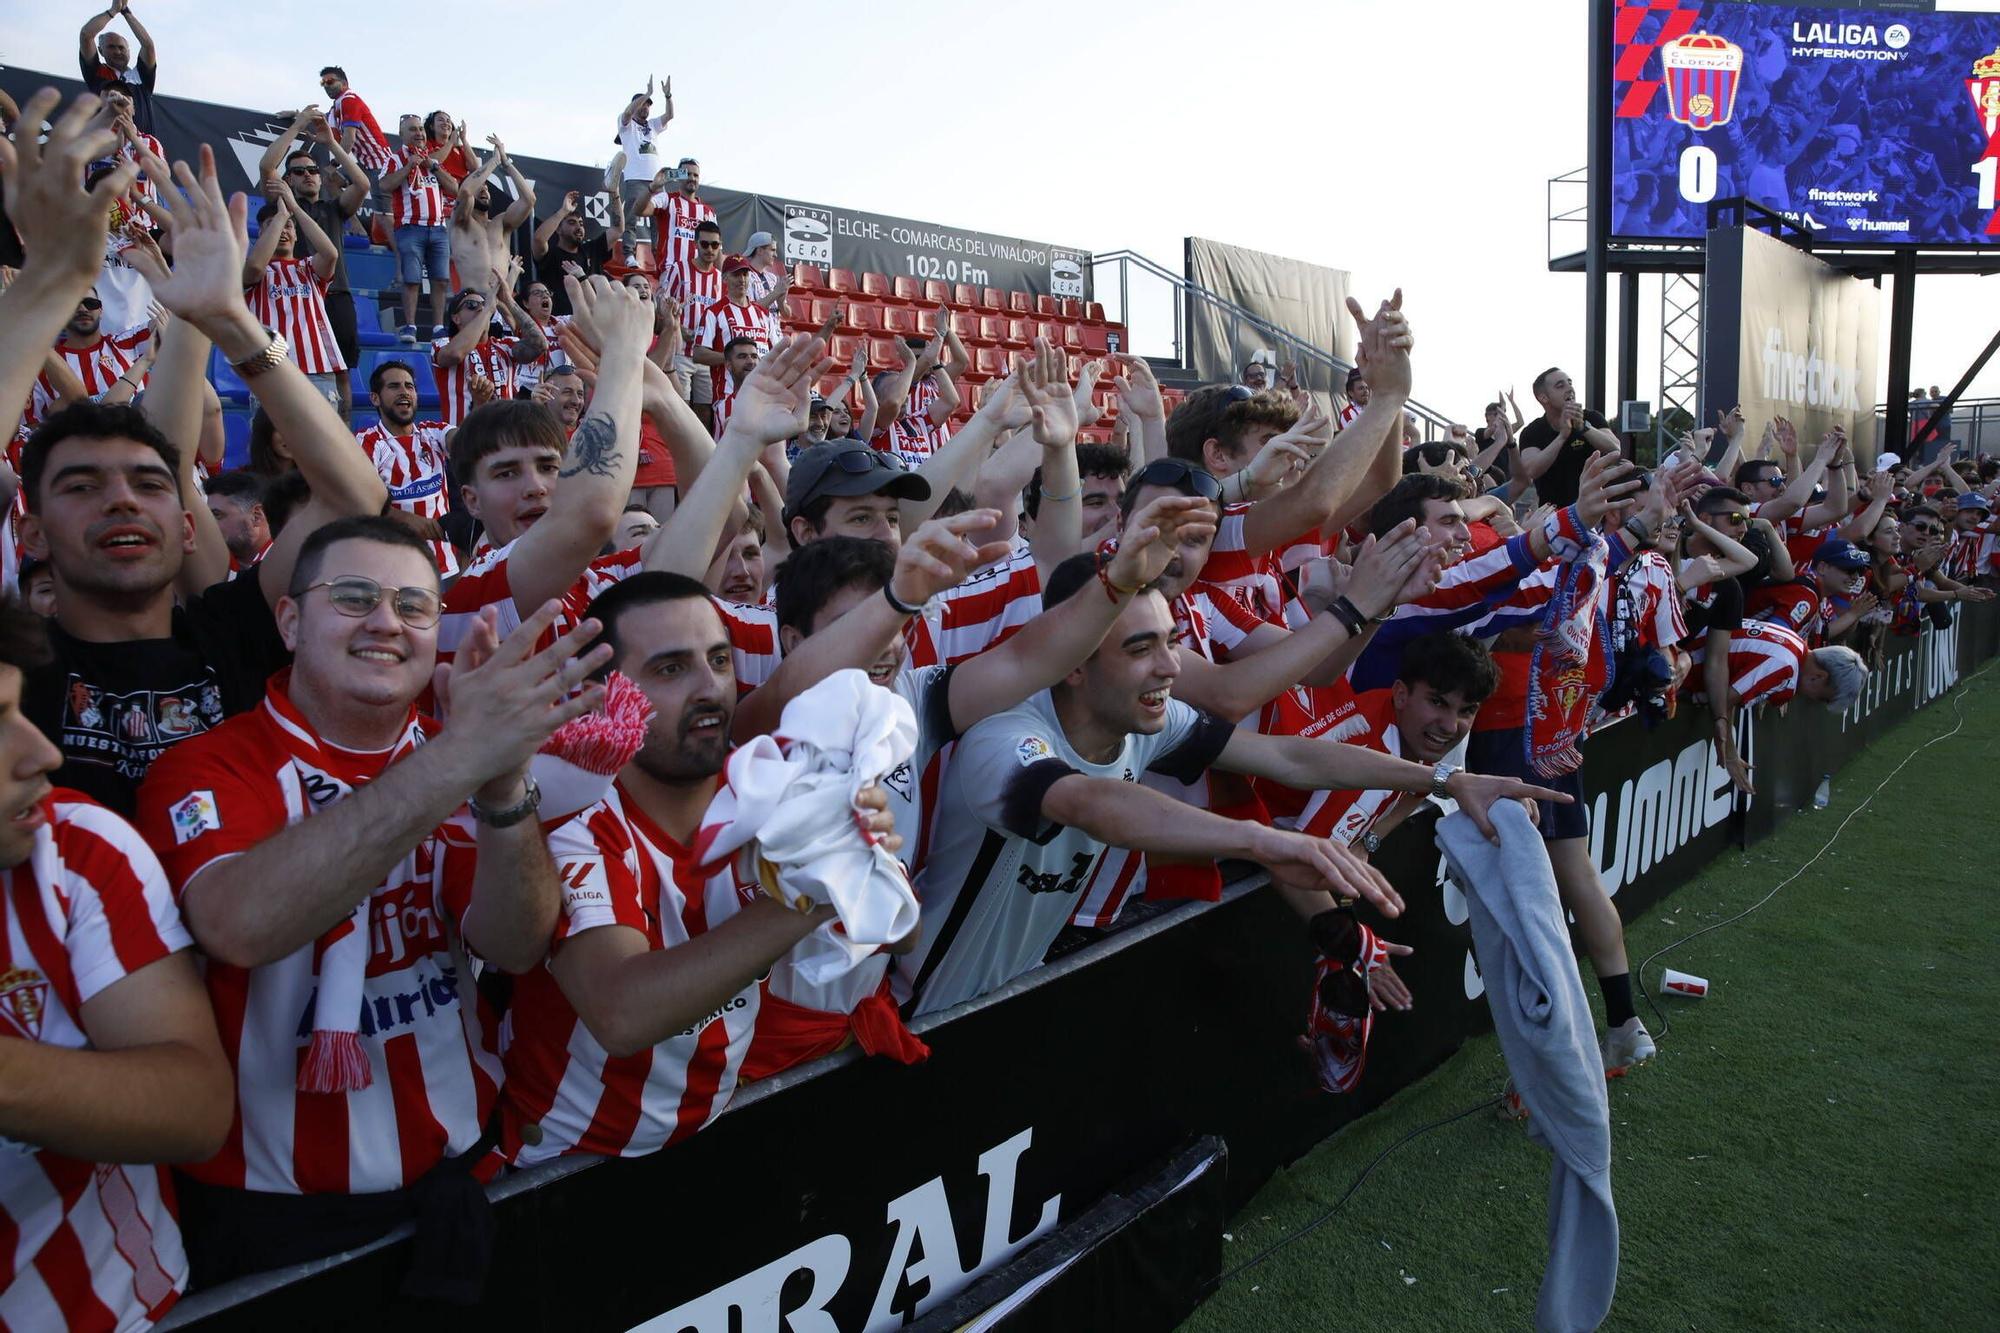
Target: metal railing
{"x": 1974, "y": 425}
{"x": 1155, "y": 304}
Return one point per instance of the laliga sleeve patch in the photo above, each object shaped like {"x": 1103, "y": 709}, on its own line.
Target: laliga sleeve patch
{"x": 1033, "y": 749}
{"x": 583, "y": 884}
{"x": 194, "y": 815}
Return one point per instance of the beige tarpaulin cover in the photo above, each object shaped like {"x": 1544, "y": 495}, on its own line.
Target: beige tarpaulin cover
{"x": 1305, "y": 300}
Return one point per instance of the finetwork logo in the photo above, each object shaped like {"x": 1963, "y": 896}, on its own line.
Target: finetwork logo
{"x": 1808, "y": 379}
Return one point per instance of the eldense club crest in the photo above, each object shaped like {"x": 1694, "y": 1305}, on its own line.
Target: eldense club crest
{"x": 1702, "y": 74}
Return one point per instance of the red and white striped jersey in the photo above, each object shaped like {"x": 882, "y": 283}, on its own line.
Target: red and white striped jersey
{"x": 987, "y": 609}
{"x": 1962, "y": 561}
{"x": 1764, "y": 662}
{"x": 434, "y": 1074}
{"x": 528, "y": 374}
{"x": 753, "y": 642}
{"x": 619, "y": 868}
{"x": 98, "y": 366}
{"x": 675, "y": 216}
{"x": 1344, "y": 816}
{"x": 143, "y": 186}
{"x": 1647, "y": 604}
{"x": 413, "y": 467}
{"x": 695, "y": 288}
{"x": 371, "y": 149}
{"x": 420, "y": 201}
{"x": 82, "y": 1245}
{"x": 722, "y": 322}
{"x": 290, "y": 300}
{"x": 1255, "y": 581}
{"x": 493, "y": 358}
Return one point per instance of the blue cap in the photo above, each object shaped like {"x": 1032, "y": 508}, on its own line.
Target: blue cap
{"x": 1841, "y": 554}
{"x": 1974, "y": 500}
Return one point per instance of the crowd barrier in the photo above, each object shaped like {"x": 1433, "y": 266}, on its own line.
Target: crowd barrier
{"x": 1152, "y": 1074}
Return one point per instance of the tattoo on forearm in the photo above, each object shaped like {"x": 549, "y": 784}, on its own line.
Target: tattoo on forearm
{"x": 593, "y": 449}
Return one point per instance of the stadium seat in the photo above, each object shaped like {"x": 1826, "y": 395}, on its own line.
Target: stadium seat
{"x": 965, "y": 325}
{"x": 1021, "y": 303}
{"x": 841, "y": 280}
{"x": 799, "y": 308}
{"x": 883, "y": 354}
{"x": 1093, "y": 313}
{"x": 1043, "y": 328}
{"x": 992, "y": 298}
{"x": 900, "y": 320}
{"x": 368, "y": 325}
{"x": 964, "y": 295}
{"x": 235, "y": 439}
{"x": 1046, "y": 307}
{"x": 862, "y": 318}
{"x": 991, "y": 328}
{"x": 990, "y": 361}
{"x": 371, "y": 272}
{"x": 819, "y": 310}
{"x": 1016, "y": 333}
{"x": 1094, "y": 339}
{"x": 926, "y": 319}
{"x": 841, "y": 348}
{"x": 906, "y": 289}
{"x": 875, "y": 286}
{"x": 936, "y": 292}
{"x": 1070, "y": 308}
{"x": 808, "y": 278}
{"x": 1072, "y": 337}
{"x": 419, "y": 362}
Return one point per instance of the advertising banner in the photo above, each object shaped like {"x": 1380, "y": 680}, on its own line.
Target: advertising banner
{"x": 1783, "y": 334}
{"x": 812, "y": 233}
{"x": 1864, "y": 128}
{"x": 860, "y": 1194}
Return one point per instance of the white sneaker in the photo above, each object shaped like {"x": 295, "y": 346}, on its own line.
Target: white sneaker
{"x": 1626, "y": 1045}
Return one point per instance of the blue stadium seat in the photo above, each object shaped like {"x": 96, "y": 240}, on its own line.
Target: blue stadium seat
{"x": 368, "y": 324}
{"x": 235, "y": 438}
{"x": 354, "y": 240}
{"x": 419, "y": 362}
{"x": 229, "y": 386}
{"x": 362, "y": 418}
{"x": 371, "y": 271}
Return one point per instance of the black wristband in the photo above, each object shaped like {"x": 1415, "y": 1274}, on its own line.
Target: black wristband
{"x": 1348, "y": 614}
{"x": 900, "y": 607}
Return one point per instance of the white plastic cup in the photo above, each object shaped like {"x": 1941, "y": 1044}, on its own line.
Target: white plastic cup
{"x": 1685, "y": 985}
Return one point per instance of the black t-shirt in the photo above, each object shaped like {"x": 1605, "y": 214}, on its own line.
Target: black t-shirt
{"x": 1502, "y": 466}
{"x": 1714, "y": 606}
{"x": 112, "y": 708}
{"x": 136, "y": 83}
{"x": 1557, "y": 486}
{"x": 332, "y": 220}
{"x": 592, "y": 257}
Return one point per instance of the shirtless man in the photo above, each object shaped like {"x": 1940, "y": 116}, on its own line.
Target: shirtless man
{"x": 478, "y": 234}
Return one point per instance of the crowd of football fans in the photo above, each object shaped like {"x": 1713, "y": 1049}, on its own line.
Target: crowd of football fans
{"x": 336, "y": 723}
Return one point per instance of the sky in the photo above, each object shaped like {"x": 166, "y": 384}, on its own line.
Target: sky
{"x": 1411, "y": 147}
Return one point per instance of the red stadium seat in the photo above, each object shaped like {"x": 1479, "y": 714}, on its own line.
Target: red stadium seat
{"x": 974, "y": 395}
{"x": 1072, "y": 337}
{"x": 1046, "y": 307}
{"x": 1017, "y": 333}
{"x": 964, "y": 296}
{"x": 1094, "y": 339}
{"x": 1042, "y": 328}
{"x": 875, "y": 286}
{"x": 799, "y": 308}
{"x": 936, "y": 292}
{"x": 1021, "y": 303}
{"x": 1071, "y": 308}
{"x": 863, "y": 318}
{"x": 992, "y": 328}
{"x": 882, "y": 354}
{"x": 965, "y": 324}
{"x": 808, "y": 278}
{"x": 991, "y": 361}
{"x": 899, "y": 320}
{"x": 926, "y": 321}
{"x": 992, "y": 298}
{"x": 841, "y": 280}
{"x": 841, "y": 348}
{"x": 822, "y": 308}
{"x": 906, "y": 289}
{"x": 1093, "y": 313}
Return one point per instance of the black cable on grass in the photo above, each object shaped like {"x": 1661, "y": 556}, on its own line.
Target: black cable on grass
{"x": 1638, "y": 973}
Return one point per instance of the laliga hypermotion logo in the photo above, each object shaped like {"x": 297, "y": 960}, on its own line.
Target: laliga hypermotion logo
{"x": 1702, "y": 73}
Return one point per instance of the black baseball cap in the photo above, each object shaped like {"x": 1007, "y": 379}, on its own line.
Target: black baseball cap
{"x": 848, "y": 467}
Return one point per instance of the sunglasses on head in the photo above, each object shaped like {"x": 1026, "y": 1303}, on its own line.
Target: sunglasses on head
{"x": 356, "y": 596}
{"x": 1238, "y": 393}
{"x": 1175, "y": 472}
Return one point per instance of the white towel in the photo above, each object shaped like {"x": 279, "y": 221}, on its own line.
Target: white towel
{"x": 793, "y": 796}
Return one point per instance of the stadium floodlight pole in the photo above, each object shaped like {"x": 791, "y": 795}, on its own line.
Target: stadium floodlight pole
{"x": 1596, "y": 279}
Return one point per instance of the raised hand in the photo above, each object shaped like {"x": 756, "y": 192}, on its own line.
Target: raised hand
{"x": 480, "y": 390}
{"x": 1385, "y": 345}
{"x": 1274, "y": 465}
{"x": 1154, "y": 534}
{"x": 1044, "y": 387}
{"x": 1787, "y": 435}
{"x": 943, "y": 553}
{"x": 499, "y": 149}
{"x": 1088, "y": 413}
{"x": 1731, "y": 422}
{"x": 209, "y": 238}
{"x": 771, "y": 404}
{"x": 1607, "y": 481}
{"x": 62, "y": 225}
{"x": 1138, "y": 389}
{"x": 1297, "y": 860}
{"x": 607, "y": 314}
{"x": 1005, "y": 404}
{"x": 502, "y": 700}
{"x": 1381, "y": 568}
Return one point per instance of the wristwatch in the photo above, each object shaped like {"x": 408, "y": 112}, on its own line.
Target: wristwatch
{"x": 1439, "y": 776}
{"x": 531, "y": 800}
{"x": 1370, "y": 842}
{"x": 272, "y": 356}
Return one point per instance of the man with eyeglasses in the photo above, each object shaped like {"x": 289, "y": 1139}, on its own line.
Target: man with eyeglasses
{"x": 423, "y": 247}
{"x": 473, "y": 350}
{"x": 340, "y": 857}
{"x": 150, "y": 646}
{"x": 1926, "y": 544}
{"x": 304, "y": 176}
{"x": 1786, "y": 501}
{"x": 561, "y": 248}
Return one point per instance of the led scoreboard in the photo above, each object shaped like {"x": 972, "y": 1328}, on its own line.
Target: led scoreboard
{"x": 1863, "y": 128}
